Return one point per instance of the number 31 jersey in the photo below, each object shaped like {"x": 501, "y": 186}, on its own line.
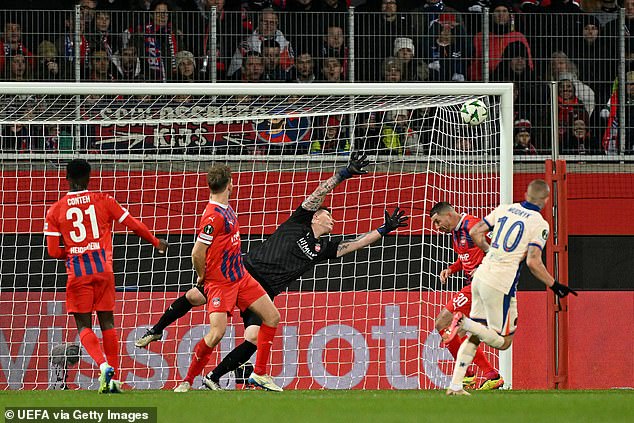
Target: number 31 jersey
{"x": 220, "y": 230}
{"x": 515, "y": 228}
{"x": 83, "y": 220}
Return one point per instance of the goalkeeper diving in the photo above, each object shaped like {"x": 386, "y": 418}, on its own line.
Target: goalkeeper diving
{"x": 295, "y": 247}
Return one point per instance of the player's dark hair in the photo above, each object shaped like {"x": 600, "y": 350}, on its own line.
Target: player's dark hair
{"x": 440, "y": 207}
{"x": 218, "y": 178}
{"x": 77, "y": 169}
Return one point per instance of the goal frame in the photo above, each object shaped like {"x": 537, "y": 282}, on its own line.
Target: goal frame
{"x": 503, "y": 90}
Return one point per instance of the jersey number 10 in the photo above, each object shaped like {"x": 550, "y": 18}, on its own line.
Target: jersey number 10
{"x": 506, "y": 244}
{"x": 76, "y": 215}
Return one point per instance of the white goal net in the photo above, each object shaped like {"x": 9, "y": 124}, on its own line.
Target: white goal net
{"x": 365, "y": 321}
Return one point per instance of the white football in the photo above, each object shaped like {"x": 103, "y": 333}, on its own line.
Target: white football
{"x": 474, "y": 112}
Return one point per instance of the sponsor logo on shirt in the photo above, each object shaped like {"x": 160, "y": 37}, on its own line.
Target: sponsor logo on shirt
{"x": 303, "y": 245}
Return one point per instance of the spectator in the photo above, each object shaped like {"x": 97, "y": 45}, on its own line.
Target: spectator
{"x": 445, "y": 50}
{"x": 281, "y": 135}
{"x": 608, "y": 15}
{"x": 66, "y": 46}
{"x": 49, "y": 67}
{"x": 100, "y": 69}
{"x": 333, "y": 45}
{"x": 561, "y": 67}
{"x": 252, "y": 68}
{"x": 228, "y": 30}
{"x": 102, "y": 37}
{"x": 17, "y": 68}
{"x": 271, "y": 57}
{"x": 331, "y": 6}
{"x": 404, "y": 52}
{"x": 392, "y": 70}
{"x": 397, "y": 137}
{"x": 610, "y": 142}
{"x": 551, "y": 24}
{"x": 20, "y": 138}
{"x": 514, "y": 65}
{"x": 332, "y": 70}
{"x": 304, "y": 68}
{"x": 578, "y": 140}
{"x": 376, "y": 34}
{"x": 128, "y": 64}
{"x": 267, "y": 30}
{"x": 303, "y": 24}
{"x": 571, "y": 108}
{"x": 594, "y": 58}
{"x": 523, "y": 144}
{"x": 11, "y": 43}
{"x": 332, "y": 138}
{"x": 431, "y": 12}
{"x": 160, "y": 42}
{"x": 502, "y": 34}
{"x": 185, "y": 67}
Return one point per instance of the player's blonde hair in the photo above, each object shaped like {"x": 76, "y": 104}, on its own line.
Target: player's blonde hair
{"x": 218, "y": 178}
{"x": 537, "y": 189}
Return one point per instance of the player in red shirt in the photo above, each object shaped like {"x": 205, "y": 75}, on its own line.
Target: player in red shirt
{"x": 445, "y": 219}
{"x": 83, "y": 221}
{"x": 217, "y": 260}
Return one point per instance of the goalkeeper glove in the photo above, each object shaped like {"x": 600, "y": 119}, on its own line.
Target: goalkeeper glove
{"x": 356, "y": 165}
{"x": 392, "y": 222}
{"x": 562, "y": 290}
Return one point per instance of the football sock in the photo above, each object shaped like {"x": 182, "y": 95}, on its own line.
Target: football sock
{"x": 111, "y": 348}
{"x": 236, "y": 358}
{"x": 265, "y": 342}
{"x": 175, "y": 311}
{"x": 465, "y": 357}
{"x": 91, "y": 343}
{"x": 454, "y": 345}
{"x": 201, "y": 355}
{"x": 481, "y": 361}
{"x": 486, "y": 335}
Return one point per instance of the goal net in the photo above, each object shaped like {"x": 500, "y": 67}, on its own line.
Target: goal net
{"x": 365, "y": 321}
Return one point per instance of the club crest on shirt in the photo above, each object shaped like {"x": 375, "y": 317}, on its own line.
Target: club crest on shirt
{"x": 208, "y": 229}
{"x": 215, "y": 302}
{"x": 317, "y": 247}
{"x": 463, "y": 242}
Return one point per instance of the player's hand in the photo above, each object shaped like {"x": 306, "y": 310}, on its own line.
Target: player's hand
{"x": 444, "y": 275}
{"x": 562, "y": 290}
{"x": 162, "y": 247}
{"x": 355, "y": 166}
{"x": 392, "y": 222}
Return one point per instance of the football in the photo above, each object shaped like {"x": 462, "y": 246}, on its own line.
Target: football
{"x": 474, "y": 112}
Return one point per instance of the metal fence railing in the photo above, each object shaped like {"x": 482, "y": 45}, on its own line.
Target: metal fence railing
{"x": 586, "y": 54}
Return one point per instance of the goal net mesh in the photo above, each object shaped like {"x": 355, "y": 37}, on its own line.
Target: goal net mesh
{"x": 363, "y": 321}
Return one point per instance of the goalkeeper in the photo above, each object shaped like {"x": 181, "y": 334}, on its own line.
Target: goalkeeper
{"x": 294, "y": 247}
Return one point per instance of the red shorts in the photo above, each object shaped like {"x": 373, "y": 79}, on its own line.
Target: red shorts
{"x": 461, "y": 301}
{"x": 85, "y": 294}
{"x": 224, "y": 296}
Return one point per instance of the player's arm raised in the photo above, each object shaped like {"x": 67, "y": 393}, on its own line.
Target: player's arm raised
{"x": 136, "y": 226}
{"x": 392, "y": 222}
{"x": 478, "y": 234}
{"x": 355, "y": 167}
{"x": 537, "y": 268}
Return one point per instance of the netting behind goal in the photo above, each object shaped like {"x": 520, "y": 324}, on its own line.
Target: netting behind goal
{"x": 365, "y": 321}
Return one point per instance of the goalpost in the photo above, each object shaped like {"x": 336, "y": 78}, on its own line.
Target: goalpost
{"x": 366, "y": 321}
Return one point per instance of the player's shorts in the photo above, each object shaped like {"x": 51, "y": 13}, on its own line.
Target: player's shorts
{"x": 85, "y": 294}
{"x": 224, "y": 296}
{"x": 494, "y": 308}
{"x": 461, "y": 301}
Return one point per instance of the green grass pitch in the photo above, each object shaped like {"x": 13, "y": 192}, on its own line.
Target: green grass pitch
{"x": 351, "y": 406}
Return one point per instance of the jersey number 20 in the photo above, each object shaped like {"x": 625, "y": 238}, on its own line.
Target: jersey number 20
{"x": 75, "y": 214}
{"x": 514, "y": 232}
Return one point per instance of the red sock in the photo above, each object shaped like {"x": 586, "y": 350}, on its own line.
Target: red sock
{"x": 454, "y": 346}
{"x": 201, "y": 355}
{"x": 91, "y": 343}
{"x": 481, "y": 361}
{"x": 111, "y": 347}
{"x": 265, "y": 342}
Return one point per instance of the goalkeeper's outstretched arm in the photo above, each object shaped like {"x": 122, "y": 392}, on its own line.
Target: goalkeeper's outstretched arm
{"x": 392, "y": 222}
{"x": 355, "y": 167}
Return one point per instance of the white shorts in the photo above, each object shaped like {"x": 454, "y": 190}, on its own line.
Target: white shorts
{"x": 493, "y": 308}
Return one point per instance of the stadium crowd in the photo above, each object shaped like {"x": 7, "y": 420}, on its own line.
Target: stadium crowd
{"x": 530, "y": 43}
